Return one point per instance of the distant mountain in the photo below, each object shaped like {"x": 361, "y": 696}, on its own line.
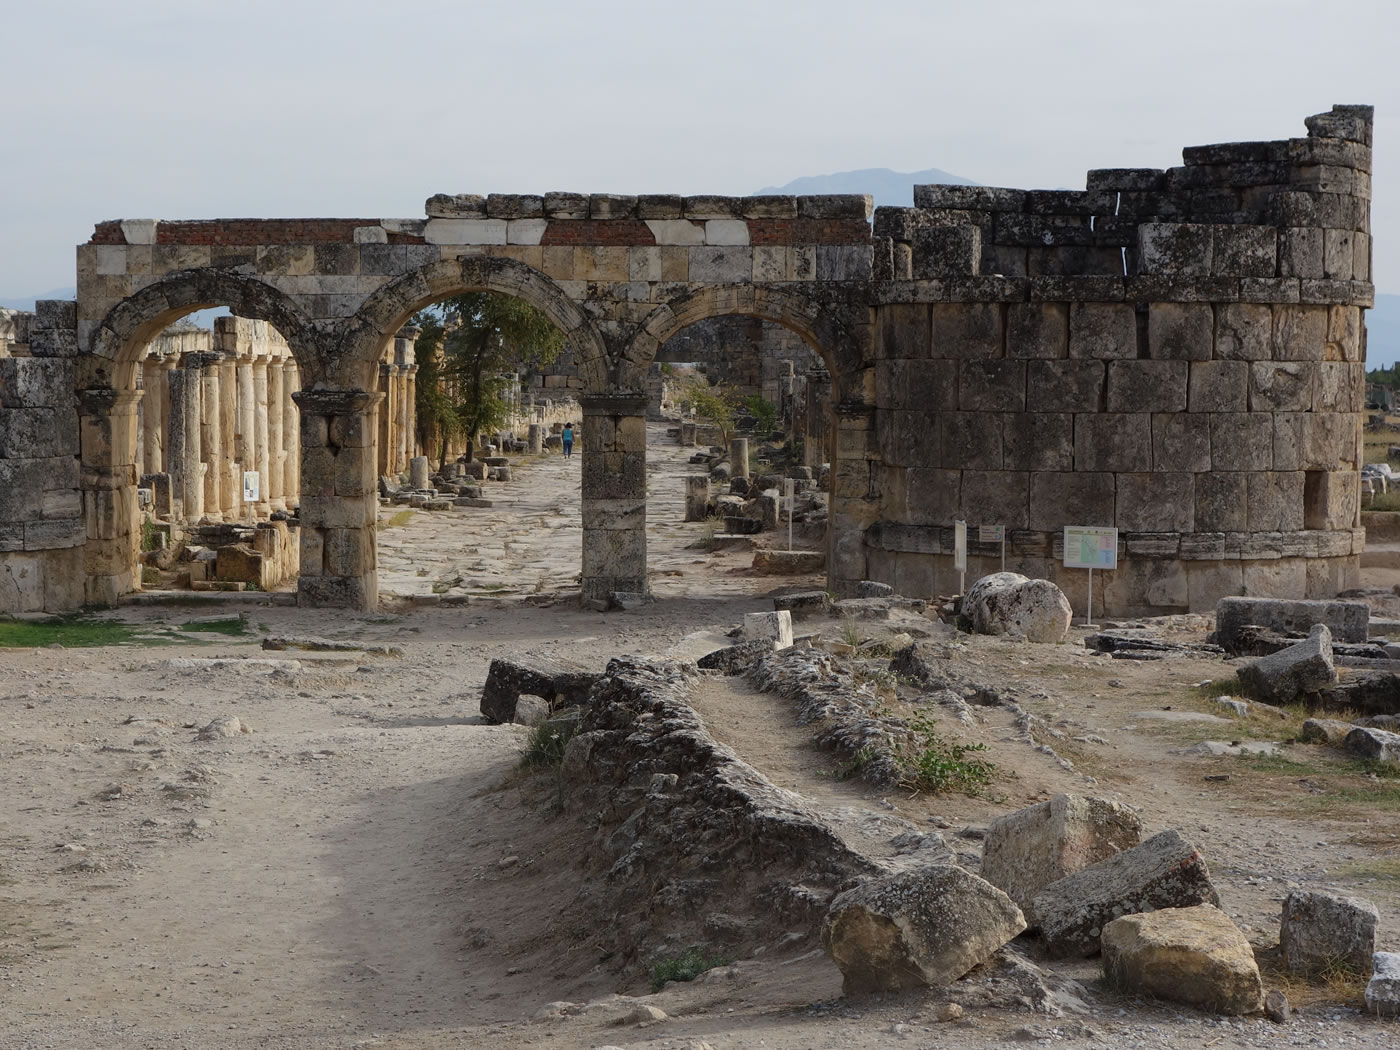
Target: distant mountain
{"x": 893, "y": 188}
{"x": 28, "y": 304}
{"x": 1383, "y": 332}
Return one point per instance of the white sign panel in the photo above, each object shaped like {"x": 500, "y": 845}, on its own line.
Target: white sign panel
{"x": 789, "y": 491}
{"x": 1091, "y": 547}
{"x": 991, "y": 533}
{"x": 251, "y": 480}
{"x": 960, "y": 546}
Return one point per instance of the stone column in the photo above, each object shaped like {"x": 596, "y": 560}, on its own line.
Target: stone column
{"x": 614, "y": 444}
{"x": 339, "y": 499}
{"x": 738, "y": 457}
{"x": 275, "y": 452}
{"x": 153, "y": 410}
{"x": 697, "y": 497}
{"x": 260, "y": 444}
{"x": 247, "y": 457}
{"x": 687, "y": 435}
{"x": 186, "y": 480}
{"x": 231, "y": 470}
{"x": 535, "y": 439}
{"x": 107, "y": 425}
{"x": 817, "y": 435}
{"x": 410, "y": 414}
{"x": 210, "y": 433}
{"x": 388, "y": 415}
{"x": 291, "y": 434}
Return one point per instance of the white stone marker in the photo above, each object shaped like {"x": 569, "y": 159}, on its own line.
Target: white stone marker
{"x": 774, "y": 625}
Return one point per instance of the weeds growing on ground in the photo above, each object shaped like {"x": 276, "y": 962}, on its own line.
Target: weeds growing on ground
{"x": 545, "y": 745}
{"x": 685, "y": 967}
{"x": 934, "y": 763}
{"x": 403, "y": 517}
{"x": 84, "y": 630}
{"x": 850, "y": 631}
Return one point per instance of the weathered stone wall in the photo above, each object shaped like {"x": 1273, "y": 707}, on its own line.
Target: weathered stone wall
{"x": 41, "y": 509}
{"x": 1179, "y": 353}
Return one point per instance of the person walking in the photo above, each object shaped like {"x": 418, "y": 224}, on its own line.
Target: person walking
{"x": 568, "y": 441}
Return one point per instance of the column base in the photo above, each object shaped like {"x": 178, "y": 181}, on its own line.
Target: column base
{"x": 339, "y": 592}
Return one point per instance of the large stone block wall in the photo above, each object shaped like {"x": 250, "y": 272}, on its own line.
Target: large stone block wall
{"x": 1180, "y": 354}
{"x": 42, "y": 529}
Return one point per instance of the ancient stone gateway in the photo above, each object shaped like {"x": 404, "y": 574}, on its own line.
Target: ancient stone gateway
{"x": 1177, "y": 353}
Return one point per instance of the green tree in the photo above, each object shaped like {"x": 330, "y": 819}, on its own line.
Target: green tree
{"x": 477, "y": 340}
{"x": 715, "y": 405}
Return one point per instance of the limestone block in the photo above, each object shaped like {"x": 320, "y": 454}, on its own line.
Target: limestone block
{"x": 909, "y": 438}
{"x": 774, "y": 626}
{"x": 1361, "y": 264}
{"x": 931, "y": 386}
{"x": 903, "y": 332}
{"x": 21, "y": 489}
{"x": 659, "y": 206}
{"x": 677, "y": 231}
{"x": 1070, "y": 498}
{"x": 1344, "y": 335}
{"x": 1039, "y": 441}
{"x": 1338, "y": 254}
{"x": 455, "y": 206}
{"x": 967, "y": 330}
{"x": 946, "y": 251}
{"x": 1276, "y": 501}
{"x": 1175, "y": 249}
{"x": 932, "y": 495}
{"x": 1221, "y": 501}
{"x": 1323, "y": 931}
{"x": 1282, "y": 386}
{"x": 1195, "y": 956}
{"x": 1245, "y": 251}
{"x": 514, "y": 206}
{"x": 927, "y": 927}
{"x": 464, "y": 231}
{"x": 1065, "y": 386}
{"x": 38, "y": 433}
{"x": 1298, "y": 671}
{"x": 992, "y": 386}
{"x": 996, "y": 497}
{"x": 1166, "y": 871}
{"x": 726, "y": 231}
{"x": 1383, "y": 989}
{"x": 1315, "y": 440}
{"x": 348, "y": 552}
{"x": 770, "y": 263}
{"x": 1113, "y": 441}
{"x": 1243, "y": 332}
{"x": 1180, "y": 442}
{"x": 1156, "y": 502}
{"x": 1037, "y": 330}
{"x": 526, "y": 231}
{"x": 1347, "y": 620}
{"x": 1378, "y": 745}
{"x": 1147, "y": 386}
{"x": 1180, "y": 331}
{"x": 566, "y": 205}
{"x": 970, "y": 440}
{"x": 721, "y": 265}
{"x": 600, "y": 263}
{"x": 1219, "y": 386}
{"x": 1300, "y": 252}
{"x": 1331, "y": 499}
{"x": 33, "y": 382}
{"x": 1241, "y": 441}
{"x": 1300, "y": 332}
{"x": 1103, "y": 330}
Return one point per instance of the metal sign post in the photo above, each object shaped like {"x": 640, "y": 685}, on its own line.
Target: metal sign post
{"x": 994, "y": 534}
{"x": 960, "y": 554}
{"x": 1090, "y": 547}
{"x": 789, "y": 491}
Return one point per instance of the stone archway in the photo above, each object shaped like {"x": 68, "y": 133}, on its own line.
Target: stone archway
{"x": 108, "y": 401}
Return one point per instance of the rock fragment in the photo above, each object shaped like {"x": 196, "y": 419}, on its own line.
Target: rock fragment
{"x": 1383, "y": 989}
{"x": 1375, "y": 744}
{"x": 1287, "y": 675}
{"x": 1320, "y": 931}
{"x": 1009, "y": 603}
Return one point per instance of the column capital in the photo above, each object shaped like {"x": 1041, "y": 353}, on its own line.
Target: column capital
{"x": 620, "y": 405}
{"x": 336, "y": 402}
{"x": 105, "y": 400}
{"x": 202, "y": 359}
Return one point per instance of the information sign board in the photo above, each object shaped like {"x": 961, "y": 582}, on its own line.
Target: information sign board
{"x": 1091, "y": 547}
{"x": 251, "y": 486}
{"x": 960, "y": 546}
{"x": 991, "y": 533}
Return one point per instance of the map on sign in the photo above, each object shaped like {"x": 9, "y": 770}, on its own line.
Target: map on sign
{"x": 250, "y": 486}
{"x": 1091, "y": 547}
{"x": 991, "y": 533}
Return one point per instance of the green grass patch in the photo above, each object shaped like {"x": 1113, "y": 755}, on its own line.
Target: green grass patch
{"x": 403, "y": 517}
{"x": 545, "y": 745}
{"x": 684, "y": 967}
{"x": 87, "y": 631}
{"x": 232, "y": 626}
{"x": 1383, "y": 500}
{"x": 932, "y": 762}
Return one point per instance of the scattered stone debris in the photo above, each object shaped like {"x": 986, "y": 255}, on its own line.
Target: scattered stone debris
{"x": 1345, "y": 621}
{"x": 1383, "y": 989}
{"x": 1276, "y": 1007}
{"x": 925, "y": 928}
{"x": 1323, "y": 930}
{"x": 1325, "y": 731}
{"x": 773, "y": 626}
{"x": 225, "y": 728}
{"x": 1009, "y": 603}
{"x": 507, "y": 680}
{"x": 804, "y": 604}
{"x": 736, "y": 659}
{"x": 1301, "y": 670}
{"x": 1196, "y": 956}
{"x": 327, "y": 645}
{"x": 1375, "y": 744}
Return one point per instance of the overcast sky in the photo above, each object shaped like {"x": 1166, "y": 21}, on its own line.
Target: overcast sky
{"x": 362, "y": 108}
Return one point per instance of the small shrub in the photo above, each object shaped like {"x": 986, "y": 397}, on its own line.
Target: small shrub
{"x": 149, "y": 532}
{"x": 934, "y": 763}
{"x": 855, "y": 765}
{"x": 150, "y": 576}
{"x": 850, "y": 631}
{"x": 764, "y": 412}
{"x": 545, "y": 745}
{"x": 685, "y": 967}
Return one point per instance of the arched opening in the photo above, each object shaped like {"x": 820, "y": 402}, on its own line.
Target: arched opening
{"x": 189, "y": 438}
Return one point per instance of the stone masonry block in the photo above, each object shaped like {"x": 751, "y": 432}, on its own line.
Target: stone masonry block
{"x": 1180, "y": 331}
{"x": 1243, "y": 332}
{"x": 1219, "y": 386}
{"x": 1221, "y": 501}
{"x": 1300, "y": 253}
{"x": 1180, "y": 442}
{"x": 1039, "y": 441}
{"x": 1175, "y": 249}
{"x": 930, "y": 386}
{"x": 931, "y": 495}
{"x": 1156, "y": 502}
{"x": 1102, "y": 330}
{"x": 970, "y": 440}
{"x": 1245, "y": 251}
{"x": 1338, "y": 254}
{"x": 34, "y": 382}
{"x": 1344, "y": 335}
{"x": 1037, "y": 330}
{"x": 1065, "y": 386}
{"x": 1341, "y": 386}
{"x": 844, "y": 262}
{"x": 1241, "y": 441}
{"x": 720, "y": 265}
{"x": 1147, "y": 386}
{"x": 1073, "y": 498}
{"x": 909, "y": 439}
{"x": 1113, "y": 441}
{"x": 996, "y": 497}
{"x": 905, "y": 331}
{"x": 1331, "y": 499}
{"x": 970, "y": 331}
{"x": 1282, "y": 386}
{"x": 992, "y": 386}
{"x": 947, "y": 251}
{"x": 1300, "y": 332}
{"x": 1275, "y": 501}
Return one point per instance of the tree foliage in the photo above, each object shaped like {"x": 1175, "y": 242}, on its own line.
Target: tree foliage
{"x": 715, "y": 405}
{"x": 468, "y": 347}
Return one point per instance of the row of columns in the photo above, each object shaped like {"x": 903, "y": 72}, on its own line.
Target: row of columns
{"x": 206, "y": 417}
{"x": 398, "y": 439}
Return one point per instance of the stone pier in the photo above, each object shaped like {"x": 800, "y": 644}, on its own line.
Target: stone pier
{"x": 614, "y": 496}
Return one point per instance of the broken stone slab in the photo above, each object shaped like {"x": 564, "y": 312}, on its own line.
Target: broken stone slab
{"x": 774, "y": 626}
{"x": 1196, "y": 956}
{"x": 873, "y": 589}
{"x": 804, "y": 604}
{"x": 1331, "y": 731}
{"x": 788, "y": 563}
{"x": 419, "y": 474}
{"x": 1027, "y": 850}
{"x": 925, "y": 928}
{"x": 1320, "y": 931}
{"x": 507, "y": 680}
{"x": 1371, "y": 693}
{"x": 1383, "y": 989}
{"x": 1390, "y": 723}
{"x": 1238, "y": 708}
{"x": 1300, "y": 670}
{"x": 1135, "y": 641}
{"x": 1347, "y": 621}
{"x": 1011, "y": 604}
{"x": 1375, "y": 744}
{"x": 735, "y": 659}
{"x": 530, "y": 710}
{"x": 1166, "y": 871}
{"x": 279, "y": 643}
{"x": 472, "y": 501}
{"x": 1228, "y": 748}
{"x": 630, "y": 601}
